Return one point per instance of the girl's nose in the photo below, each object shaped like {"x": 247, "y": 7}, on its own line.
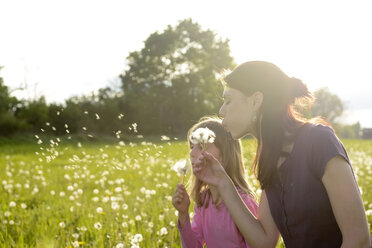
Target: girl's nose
{"x": 194, "y": 151}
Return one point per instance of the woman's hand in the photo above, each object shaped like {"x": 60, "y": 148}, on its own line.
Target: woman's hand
{"x": 209, "y": 170}
{"x": 181, "y": 200}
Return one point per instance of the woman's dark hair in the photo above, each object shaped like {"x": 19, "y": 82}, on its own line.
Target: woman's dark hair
{"x": 277, "y": 118}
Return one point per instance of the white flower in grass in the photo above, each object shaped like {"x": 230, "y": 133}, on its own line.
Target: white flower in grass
{"x": 12, "y": 204}
{"x": 163, "y": 231}
{"x": 202, "y": 136}
{"x": 115, "y": 206}
{"x": 62, "y": 225}
{"x": 98, "y": 226}
{"x": 75, "y": 235}
{"x": 138, "y": 237}
{"x": 83, "y": 229}
{"x": 75, "y": 244}
{"x": 11, "y": 222}
{"x": 99, "y": 210}
{"x": 24, "y": 206}
{"x": 369, "y": 212}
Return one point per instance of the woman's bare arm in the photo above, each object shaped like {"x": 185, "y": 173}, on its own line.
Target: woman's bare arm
{"x": 260, "y": 232}
{"x": 346, "y": 203}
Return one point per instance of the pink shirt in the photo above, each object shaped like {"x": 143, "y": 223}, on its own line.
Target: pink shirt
{"x": 214, "y": 227}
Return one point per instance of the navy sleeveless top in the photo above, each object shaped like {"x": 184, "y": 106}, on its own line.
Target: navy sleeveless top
{"x": 297, "y": 197}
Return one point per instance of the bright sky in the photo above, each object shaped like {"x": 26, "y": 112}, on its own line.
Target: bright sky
{"x": 65, "y": 48}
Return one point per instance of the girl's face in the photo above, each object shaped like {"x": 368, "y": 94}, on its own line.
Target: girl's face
{"x": 195, "y": 151}
{"x": 237, "y": 113}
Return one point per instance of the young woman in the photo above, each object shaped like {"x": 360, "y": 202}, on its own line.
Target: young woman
{"x": 212, "y": 223}
{"x": 309, "y": 192}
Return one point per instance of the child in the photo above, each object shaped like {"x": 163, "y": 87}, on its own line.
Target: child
{"x": 212, "y": 224}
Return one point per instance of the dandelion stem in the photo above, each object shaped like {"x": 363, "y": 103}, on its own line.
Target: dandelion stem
{"x": 182, "y": 178}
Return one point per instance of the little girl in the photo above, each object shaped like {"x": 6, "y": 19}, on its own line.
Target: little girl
{"x": 212, "y": 224}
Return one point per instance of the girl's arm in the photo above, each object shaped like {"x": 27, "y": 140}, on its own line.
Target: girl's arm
{"x": 191, "y": 234}
{"x": 346, "y": 203}
{"x": 260, "y": 232}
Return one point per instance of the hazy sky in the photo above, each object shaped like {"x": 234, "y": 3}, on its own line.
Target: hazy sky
{"x": 65, "y": 48}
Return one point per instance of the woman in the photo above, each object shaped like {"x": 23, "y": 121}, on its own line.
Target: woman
{"x": 309, "y": 192}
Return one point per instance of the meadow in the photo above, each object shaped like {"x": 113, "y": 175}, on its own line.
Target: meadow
{"x": 60, "y": 193}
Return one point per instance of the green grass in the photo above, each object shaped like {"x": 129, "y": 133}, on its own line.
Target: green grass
{"x": 63, "y": 184}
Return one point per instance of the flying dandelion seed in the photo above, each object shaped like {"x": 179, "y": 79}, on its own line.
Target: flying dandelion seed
{"x": 163, "y": 137}
{"x": 120, "y": 116}
{"x": 58, "y": 113}
{"x": 97, "y": 117}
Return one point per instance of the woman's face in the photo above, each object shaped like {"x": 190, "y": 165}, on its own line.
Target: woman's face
{"x": 237, "y": 113}
{"x": 195, "y": 151}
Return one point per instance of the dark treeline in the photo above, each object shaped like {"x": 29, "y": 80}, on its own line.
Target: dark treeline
{"x": 167, "y": 86}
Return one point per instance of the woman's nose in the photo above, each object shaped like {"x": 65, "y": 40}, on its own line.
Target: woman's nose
{"x": 222, "y": 111}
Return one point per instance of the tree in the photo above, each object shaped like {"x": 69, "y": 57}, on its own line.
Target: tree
{"x": 173, "y": 80}
{"x": 8, "y": 107}
{"x": 327, "y": 105}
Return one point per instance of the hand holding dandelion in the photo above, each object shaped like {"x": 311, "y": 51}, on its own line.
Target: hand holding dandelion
{"x": 182, "y": 168}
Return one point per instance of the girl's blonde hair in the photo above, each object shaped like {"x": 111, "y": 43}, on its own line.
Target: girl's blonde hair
{"x": 232, "y": 160}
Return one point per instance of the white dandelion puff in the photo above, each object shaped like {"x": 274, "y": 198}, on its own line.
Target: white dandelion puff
{"x": 97, "y": 225}
{"x": 202, "y": 136}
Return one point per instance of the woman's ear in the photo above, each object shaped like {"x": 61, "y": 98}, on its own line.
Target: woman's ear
{"x": 257, "y": 99}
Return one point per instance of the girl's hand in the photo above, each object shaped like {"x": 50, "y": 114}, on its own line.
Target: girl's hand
{"x": 209, "y": 170}
{"x": 181, "y": 200}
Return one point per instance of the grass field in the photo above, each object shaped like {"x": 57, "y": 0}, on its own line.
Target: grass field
{"x": 58, "y": 194}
